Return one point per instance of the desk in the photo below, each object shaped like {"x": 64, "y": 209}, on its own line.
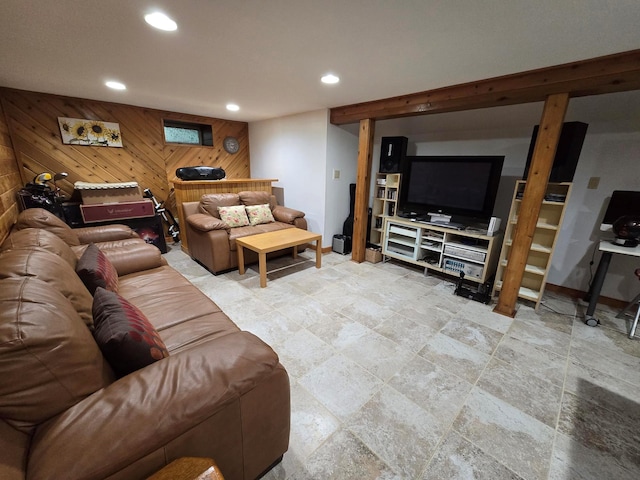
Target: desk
{"x": 608, "y": 249}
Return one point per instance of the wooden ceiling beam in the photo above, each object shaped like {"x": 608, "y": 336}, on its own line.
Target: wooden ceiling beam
{"x": 609, "y": 74}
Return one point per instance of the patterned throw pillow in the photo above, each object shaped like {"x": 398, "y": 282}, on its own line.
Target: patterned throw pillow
{"x": 234, "y": 216}
{"x": 259, "y": 214}
{"x": 95, "y": 270}
{"x": 125, "y": 336}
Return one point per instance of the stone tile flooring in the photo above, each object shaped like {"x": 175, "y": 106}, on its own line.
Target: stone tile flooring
{"x": 394, "y": 377}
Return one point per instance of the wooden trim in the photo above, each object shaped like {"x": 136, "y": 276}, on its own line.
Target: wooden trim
{"x": 363, "y": 179}
{"x": 612, "y": 73}
{"x": 543, "y": 154}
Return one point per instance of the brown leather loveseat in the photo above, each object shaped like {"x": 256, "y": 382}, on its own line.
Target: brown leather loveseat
{"x": 67, "y": 410}
{"x": 212, "y": 242}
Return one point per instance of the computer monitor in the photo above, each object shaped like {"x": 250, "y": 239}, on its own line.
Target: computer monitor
{"x": 622, "y": 202}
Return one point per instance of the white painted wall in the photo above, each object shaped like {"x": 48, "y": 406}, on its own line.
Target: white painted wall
{"x": 614, "y": 157}
{"x": 293, "y": 149}
{"x": 342, "y": 155}
{"x": 302, "y": 151}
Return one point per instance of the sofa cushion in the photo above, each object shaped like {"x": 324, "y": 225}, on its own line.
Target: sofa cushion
{"x": 39, "y": 238}
{"x": 53, "y": 270}
{"x": 257, "y": 198}
{"x": 234, "y": 216}
{"x": 179, "y": 327}
{"x": 259, "y": 214}
{"x": 48, "y": 359}
{"x": 209, "y": 202}
{"x": 41, "y": 218}
{"x": 125, "y": 336}
{"x": 95, "y": 270}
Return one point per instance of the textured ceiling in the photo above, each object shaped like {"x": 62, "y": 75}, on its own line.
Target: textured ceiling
{"x": 268, "y": 55}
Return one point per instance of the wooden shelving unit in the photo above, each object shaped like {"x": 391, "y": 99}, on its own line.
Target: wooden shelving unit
{"x": 544, "y": 240}
{"x": 385, "y": 203}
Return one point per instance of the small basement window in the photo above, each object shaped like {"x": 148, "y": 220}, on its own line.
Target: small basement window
{"x": 187, "y": 133}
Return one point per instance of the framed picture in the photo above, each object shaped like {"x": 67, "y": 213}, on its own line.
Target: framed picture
{"x": 96, "y": 133}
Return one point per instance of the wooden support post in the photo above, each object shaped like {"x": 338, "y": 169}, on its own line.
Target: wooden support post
{"x": 544, "y": 153}
{"x": 363, "y": 179}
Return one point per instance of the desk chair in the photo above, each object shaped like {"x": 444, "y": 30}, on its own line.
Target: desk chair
{"x": 635, "y": 301}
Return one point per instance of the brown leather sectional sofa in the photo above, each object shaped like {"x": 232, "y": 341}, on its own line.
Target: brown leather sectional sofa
{"x": 64, "y": 413}
{"x": 213, "y": 244}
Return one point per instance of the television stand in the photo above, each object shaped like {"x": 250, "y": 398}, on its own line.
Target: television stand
{"x": 441, "y": 248}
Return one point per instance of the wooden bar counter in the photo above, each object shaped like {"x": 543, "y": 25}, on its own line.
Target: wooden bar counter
{"x": 192, "y": 191}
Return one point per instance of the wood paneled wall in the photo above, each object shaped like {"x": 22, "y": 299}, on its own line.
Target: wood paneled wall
{"x": 10, "y": 181}
{"x": 32, "y": 120}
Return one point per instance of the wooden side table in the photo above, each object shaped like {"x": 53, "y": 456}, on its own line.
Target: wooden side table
{"x": 189, "y": 468}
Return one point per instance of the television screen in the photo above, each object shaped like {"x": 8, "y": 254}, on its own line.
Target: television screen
{"x": 463, "y": 187}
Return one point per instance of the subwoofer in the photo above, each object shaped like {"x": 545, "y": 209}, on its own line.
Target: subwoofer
{"x": 200, "y": 173}
{"x": 567, "y": 153}
{"x": 392, "y": 152}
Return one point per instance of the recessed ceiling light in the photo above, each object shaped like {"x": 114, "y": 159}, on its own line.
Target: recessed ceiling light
{"x": 232, "y": 107}
{"x": 330, "y": 79}
{"x": 116, "y": 85}
{"x": 161, "y": 21}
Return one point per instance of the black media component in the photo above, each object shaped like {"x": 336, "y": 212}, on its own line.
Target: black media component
{"x": 567, "y": 153}
{"x": 200, "y": 173}
{"x": 392, "y": 153}
{"x": 463, "y": 187}
{"x": 482, "y": 295}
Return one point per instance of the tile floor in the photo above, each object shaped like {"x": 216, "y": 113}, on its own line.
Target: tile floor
{"x": 394, "y": 377}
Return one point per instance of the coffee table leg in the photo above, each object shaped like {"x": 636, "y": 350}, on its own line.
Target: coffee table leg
{"x": 240, "y": 259}
{"x": 262, "y": 263}
{"x": 295, "y": 251}
{"x": 318, "y": 254}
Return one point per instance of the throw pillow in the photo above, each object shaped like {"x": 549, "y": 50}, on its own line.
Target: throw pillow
{"x": 95, "y": 270}
{"x": 234, "y": 216}
{"x": 125, "y": 336}
{"x": 259, "y": 214}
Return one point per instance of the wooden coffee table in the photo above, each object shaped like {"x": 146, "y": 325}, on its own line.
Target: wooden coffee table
{"x": 264, "y": 243}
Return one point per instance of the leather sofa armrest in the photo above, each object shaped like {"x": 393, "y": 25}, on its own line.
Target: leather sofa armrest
{"x": 134, "y": 258}
{"x": 286, "y": 215}
{"x": 104, "y": 233}
{"x": 205, "y": 223}
{"x": 145, "y": 410}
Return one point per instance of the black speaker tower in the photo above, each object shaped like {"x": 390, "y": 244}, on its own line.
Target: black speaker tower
{"x": 392, "y": 152}
{"x": 567, "y": 153}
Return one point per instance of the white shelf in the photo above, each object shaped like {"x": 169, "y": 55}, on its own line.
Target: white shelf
{"x": 412, "y": 241}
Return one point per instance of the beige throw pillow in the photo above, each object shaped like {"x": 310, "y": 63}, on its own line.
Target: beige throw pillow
{"x": 234, "y": 216}
{"x": 259, "y": 214}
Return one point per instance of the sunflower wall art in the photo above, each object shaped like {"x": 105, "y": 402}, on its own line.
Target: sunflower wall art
{"x": 76, "y": 131}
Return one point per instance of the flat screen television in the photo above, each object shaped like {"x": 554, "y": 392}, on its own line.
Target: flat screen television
{"x": 462, "y": 187}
